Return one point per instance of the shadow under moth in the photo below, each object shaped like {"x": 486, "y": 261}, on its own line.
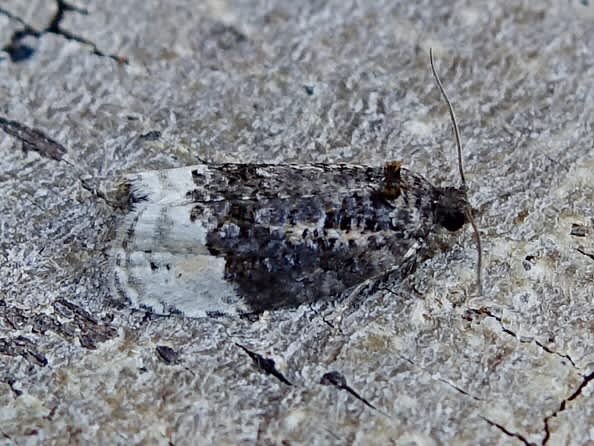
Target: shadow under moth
{"x": 244, "y": 238}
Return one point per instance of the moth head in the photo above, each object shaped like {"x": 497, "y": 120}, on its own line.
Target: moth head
{"x": 450, "y": 208}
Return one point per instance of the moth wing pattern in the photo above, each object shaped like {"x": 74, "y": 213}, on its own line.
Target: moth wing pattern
{"x": 243, "y": 238}
{"x": 159, "y": 256}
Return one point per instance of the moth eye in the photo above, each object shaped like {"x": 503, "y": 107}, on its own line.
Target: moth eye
{"x": 452, "y": 219}
{"x": 450, "y": 208}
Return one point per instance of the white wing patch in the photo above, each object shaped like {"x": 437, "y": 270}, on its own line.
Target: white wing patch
{"x": 160, "y": 259}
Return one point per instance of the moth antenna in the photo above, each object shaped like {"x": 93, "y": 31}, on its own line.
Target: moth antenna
{"x": 452, "y": 116}
{"x": 468, "y": 209}
{"x": 479, "y": 259}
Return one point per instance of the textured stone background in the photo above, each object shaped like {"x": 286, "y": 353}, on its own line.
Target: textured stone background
{"x": 135, "y": 85}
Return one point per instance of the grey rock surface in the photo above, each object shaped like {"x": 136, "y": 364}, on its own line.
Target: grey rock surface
{"x": 300, "y": 82}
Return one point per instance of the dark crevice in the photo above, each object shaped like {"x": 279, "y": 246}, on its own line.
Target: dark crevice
{"x": 54, "y": 25}
{"x": 37, "y": 141}
{"x": 338, "y": 380}
{"x": 578, "y": 230}
{"x": 507, "y": 432}
{"x": 506, "y": 330}
{"x": 553, "y": 352}
{"x": 33, "y": 139}
{"x": 167, "y": 354}
{"x": 11, "y": 16}
{"x": 460, "y": 390}
{"x": 16, "y": 49}
{"x": 442, "y": 380}
{"x": 323, "y": 317}
{"x": 6, "y": 436}
{"x": 15, "y": 390}
{"x": 266, "y": 365}
{"x": 587, "y": 254}
{"x": 20, "y": 51}
{"x": 587, "y": 379}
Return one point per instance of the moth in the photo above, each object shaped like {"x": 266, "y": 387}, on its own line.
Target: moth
{"x": 244, "y": 238}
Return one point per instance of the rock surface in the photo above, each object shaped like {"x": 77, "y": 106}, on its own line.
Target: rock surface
{"x": 135, "y": 85}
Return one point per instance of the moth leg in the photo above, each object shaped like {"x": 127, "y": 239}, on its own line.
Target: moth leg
{"x": 347, "y": 302}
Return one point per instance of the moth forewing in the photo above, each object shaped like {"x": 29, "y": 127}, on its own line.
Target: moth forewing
{"x": 242, "y": 238}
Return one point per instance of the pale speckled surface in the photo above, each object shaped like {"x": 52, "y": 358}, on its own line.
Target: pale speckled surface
{"x": 231, "y": 81}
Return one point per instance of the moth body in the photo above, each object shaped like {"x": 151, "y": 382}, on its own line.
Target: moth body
{"x": 244, "y": 238}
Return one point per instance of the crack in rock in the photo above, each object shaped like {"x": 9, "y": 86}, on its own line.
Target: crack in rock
{"x": 486, "y": 312}
{"x": 587, "y": 379}
{"x": 587, "y": 254}
{"x": 37, "y": 141}
{"x": 338, "y": 380}
{"x": 167, "y": 354}
{"x": 20, "y": 51}
{"x": 440, "y": 379}
{"x": 266, "y": 365}
{"x": 33, "y": 139}
{"x": 507, "y": 432}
